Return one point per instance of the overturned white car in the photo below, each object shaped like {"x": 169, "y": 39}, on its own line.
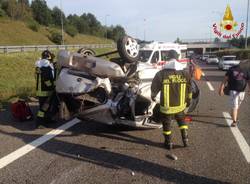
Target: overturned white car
{"x": 116, "y": 92}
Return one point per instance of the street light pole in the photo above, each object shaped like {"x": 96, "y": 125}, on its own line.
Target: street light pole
{"x": 246, "y": 24}
{"x": 106, "y": 29}
{"x": 144, "y": 32}
{"x": 62, "y": 22}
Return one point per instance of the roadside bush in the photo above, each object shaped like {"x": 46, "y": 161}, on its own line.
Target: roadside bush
{"x": 2, "y": 12}
{"x": 56, "y": 37}
{"x": 33, "y": 25}
{"x": 71, "y": 30}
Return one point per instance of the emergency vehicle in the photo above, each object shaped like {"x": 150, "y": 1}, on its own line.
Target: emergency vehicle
{"x": 157, "y": 52}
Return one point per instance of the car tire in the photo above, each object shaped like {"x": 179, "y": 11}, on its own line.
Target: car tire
{"x": 128, "y": 49}
{"x": 86, "y": 52}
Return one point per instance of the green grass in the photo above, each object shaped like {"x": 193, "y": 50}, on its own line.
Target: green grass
{"x": 17, "y": 74}
{"x": 17, "y": 77}
{"x": 18, "y": 33}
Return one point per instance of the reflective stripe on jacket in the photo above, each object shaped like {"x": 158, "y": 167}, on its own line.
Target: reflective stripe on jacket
{"x": 44, "y": 80}
{"x": 175, "y": 87}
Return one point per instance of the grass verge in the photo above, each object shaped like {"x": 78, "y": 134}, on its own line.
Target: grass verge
{"x": 17, "y": 74}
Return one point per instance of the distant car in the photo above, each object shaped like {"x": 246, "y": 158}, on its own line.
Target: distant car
{"x": 204, "y": 57}
{"x": 228, "y": 61}
{"x": 212, "y": 59}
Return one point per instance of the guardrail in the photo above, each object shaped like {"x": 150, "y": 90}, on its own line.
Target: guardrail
{"x": 13, "y": 49}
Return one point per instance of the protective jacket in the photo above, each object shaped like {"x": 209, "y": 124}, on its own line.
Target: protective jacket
{"x": 175, "y": 86}
{"x": 45, "y": 77}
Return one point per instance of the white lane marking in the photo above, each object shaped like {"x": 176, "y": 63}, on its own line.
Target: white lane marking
{"x": 210, "y": 86}
{"x": 34, "y": 144}
{"x": 239, "y": 137}
{"x": 208, "y": 83}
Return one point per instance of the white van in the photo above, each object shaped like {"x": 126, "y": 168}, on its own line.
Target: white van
{"x": 157, "y": 52}
{"x": 153, "y": 56}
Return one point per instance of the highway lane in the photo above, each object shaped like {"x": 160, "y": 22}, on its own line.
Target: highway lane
{"x": 95, "y": 153}
{"x": 215, "y": 76}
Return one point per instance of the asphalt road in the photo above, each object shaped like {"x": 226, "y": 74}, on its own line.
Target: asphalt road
{"x": 95, "y": 153}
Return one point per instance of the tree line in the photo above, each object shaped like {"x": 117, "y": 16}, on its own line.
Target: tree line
{"x": 239, "y": 42}
{"x": 38, "y": 13}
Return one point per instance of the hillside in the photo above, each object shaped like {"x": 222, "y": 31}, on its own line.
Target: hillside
{"x": 15, "y": 82}
{"x": 18, "y": 33}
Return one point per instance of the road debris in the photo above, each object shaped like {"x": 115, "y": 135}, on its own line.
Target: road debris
{"x": 172, "y": 156}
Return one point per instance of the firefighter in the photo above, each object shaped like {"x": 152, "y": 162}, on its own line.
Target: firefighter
{"x": 45, "y": 77}
{"x": 175, "y": 86}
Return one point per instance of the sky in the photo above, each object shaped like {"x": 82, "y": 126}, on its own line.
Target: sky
{"x": 158, "y": 20}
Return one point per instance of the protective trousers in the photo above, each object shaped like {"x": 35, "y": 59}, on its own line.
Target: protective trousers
{"x": 166, "y": 120}
{"x": 42, "y": 114}
{"x": 48, "y": 107}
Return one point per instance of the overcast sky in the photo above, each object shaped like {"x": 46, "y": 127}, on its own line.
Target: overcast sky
{"x": 160, "y": 20}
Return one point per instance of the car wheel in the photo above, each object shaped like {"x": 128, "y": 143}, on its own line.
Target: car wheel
{"x": 128, "y": 49}
{"x": 86, "y": 52}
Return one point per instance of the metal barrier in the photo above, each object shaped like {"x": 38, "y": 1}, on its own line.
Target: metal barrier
{"x": 13, "y": 49}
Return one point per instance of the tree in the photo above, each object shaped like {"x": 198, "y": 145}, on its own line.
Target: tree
{"x": 178, "y": 40}
{"x": 2, "y": 12}
{"x": 95, "y": 27}
{"x": 24, "y": 2}
{"x": 41, "y": 12}
{"x": 12, "y": 9}
{"x": 238, "y": 42}
{"x": 116, "y": 32}
{"x": 24, "y": 9}
{"x": 80, "y": 23}
{"x": 4, "y": 5}
{"x": 16, "y": 9}
{"x": 56, "y": 16}
{"x": 217, "y": 40}
{"x": 71, "y": 30}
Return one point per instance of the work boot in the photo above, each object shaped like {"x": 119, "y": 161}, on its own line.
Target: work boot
{"x": 39, "y": 123}
{"x": 167, "y": 143}
{"x": 184, "y": 136}
{"x": 44, "y": 122}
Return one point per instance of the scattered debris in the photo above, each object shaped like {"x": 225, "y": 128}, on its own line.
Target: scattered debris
{"x": 172, "y": 156}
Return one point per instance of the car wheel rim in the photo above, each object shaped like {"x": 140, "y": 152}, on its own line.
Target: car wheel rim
{"x": 132, "y": 48}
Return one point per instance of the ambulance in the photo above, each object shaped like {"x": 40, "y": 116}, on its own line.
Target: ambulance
{"x": 157, "y": 52}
